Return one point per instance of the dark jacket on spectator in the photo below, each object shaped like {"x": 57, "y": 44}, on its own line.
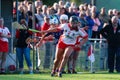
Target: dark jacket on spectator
{"x": 112, "y": 38}
{"x": 21, "y": 36}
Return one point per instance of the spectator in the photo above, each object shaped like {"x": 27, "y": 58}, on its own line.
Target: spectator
{"x": 110, "y": 13}
{"x": 30, "y": 16}
{"x": 76, "y": 11}
{"x": 90, "y": 23}
{"x": 94, "y": 10}
{"x": 39, "y": 17}
{"x": 55, "y": 6}
{"x": 71, "y": 11}
{"x": 73, "y": 4}
{"x": 95, "y": 32}
{"x": 86, "y": 6}
{"x": 81, "y": 9}
{"x": 61, "y": 3}
{"x": 103, "y": 16}
{"x": 52, "y": 35}
{"x": 111, "y": 32}
{"x": 22, "y": 13}
{"x": 4, "y": 35}
{"x": 38, "y": 4}
{"x": 67, "y": 10}
{"x": 118, "y": 18}
{"x": 48, "y": 43}
{"x": 44, "y": 10}
{"x": 115, "y": 11}
{"x": 59, "y": 13}
{"x": 22, "y": 48}
{"x": 83, "y": 21}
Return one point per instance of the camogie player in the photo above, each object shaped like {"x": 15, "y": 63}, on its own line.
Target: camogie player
{"x": 4, "y": 35}
{"x": 66, "y": 43}
{"x": 71, "y": 64}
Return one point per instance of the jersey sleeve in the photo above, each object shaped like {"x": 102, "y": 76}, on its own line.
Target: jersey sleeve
{"x": 61, "y": 27}
{"x": 8, "y": 31}
{"x": 83, "y": 34}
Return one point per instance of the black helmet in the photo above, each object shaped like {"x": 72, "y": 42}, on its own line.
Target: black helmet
{"x": 74, "y": 19}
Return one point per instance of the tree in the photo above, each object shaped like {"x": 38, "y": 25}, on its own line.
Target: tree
{"x": 49, "y": 2}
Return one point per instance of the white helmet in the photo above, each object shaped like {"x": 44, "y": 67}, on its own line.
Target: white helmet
{"x": 54, "y": 21}
{"x": 63, "y": 17}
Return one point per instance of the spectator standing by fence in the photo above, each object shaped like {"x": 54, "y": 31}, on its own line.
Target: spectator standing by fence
{"x": 47, "y": 44}
{"x": 112, "y": 33}
{"x": 22, "y": 48}
{"x": 95, "y": 32}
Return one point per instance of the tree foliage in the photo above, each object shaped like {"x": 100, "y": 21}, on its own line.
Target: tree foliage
{"x": 49, "y": 2}
{"x": 77, "y": 1}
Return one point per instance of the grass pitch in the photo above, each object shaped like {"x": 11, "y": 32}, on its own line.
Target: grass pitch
{"x": 79, "y": 76}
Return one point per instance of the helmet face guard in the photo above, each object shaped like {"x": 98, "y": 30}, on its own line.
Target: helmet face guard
{"x": 74, "y": 22}
{"x": 74, "y": 19}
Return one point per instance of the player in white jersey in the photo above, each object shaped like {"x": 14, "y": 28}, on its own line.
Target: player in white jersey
{"x": 66, "y": 43}
{"x": 4, "y": 35}
{"x": 71, "y": 64}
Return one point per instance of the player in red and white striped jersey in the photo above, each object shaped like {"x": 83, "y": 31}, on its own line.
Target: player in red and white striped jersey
{"x": 4, "y": 35}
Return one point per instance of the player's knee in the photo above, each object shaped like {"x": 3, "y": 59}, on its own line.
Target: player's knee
{"x": 66, "y": 57}
{"x": 56, "y": 60}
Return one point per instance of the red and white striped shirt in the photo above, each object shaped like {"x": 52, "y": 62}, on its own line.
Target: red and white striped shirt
{"x": 4, "y": 32}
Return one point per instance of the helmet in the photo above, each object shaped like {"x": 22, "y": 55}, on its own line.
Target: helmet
{"x": 63, "y": 17}
{"x": 53, "y": 21}
{"x": 74, "y": 19}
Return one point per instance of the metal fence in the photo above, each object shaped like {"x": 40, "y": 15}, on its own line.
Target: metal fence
{"x": 83, "y": 63}
{"x": 100, "y": 53}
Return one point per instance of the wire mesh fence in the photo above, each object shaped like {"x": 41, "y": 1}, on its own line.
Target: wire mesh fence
{"x": 82, "y": 63}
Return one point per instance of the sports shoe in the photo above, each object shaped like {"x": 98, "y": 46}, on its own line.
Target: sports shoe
{"x": 37, "y": 68}
{"x": 21, "y": 72}
{"x": 59, "y": 74}
{"x": 31, "y": 72}
{"x": 111, "y": 71}
{"x": 52, "y": 73}
{"x": 74, "y": 72}
{"x": 2, "y": 71}
{"x": 63, "y": 72}
{"x": 69, "y": 72}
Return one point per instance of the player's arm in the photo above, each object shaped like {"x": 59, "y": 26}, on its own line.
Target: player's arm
{"x": 84, "y": 37}
{"x": 56, "y": 29}
{"x": 41, "y": 40}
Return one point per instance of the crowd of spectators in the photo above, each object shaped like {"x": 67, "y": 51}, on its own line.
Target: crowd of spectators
{"x": 39, "y": 16}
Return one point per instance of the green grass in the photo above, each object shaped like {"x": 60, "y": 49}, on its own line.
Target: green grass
{"x": 84, "y": 75}
{"x": 46, "y": 76}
